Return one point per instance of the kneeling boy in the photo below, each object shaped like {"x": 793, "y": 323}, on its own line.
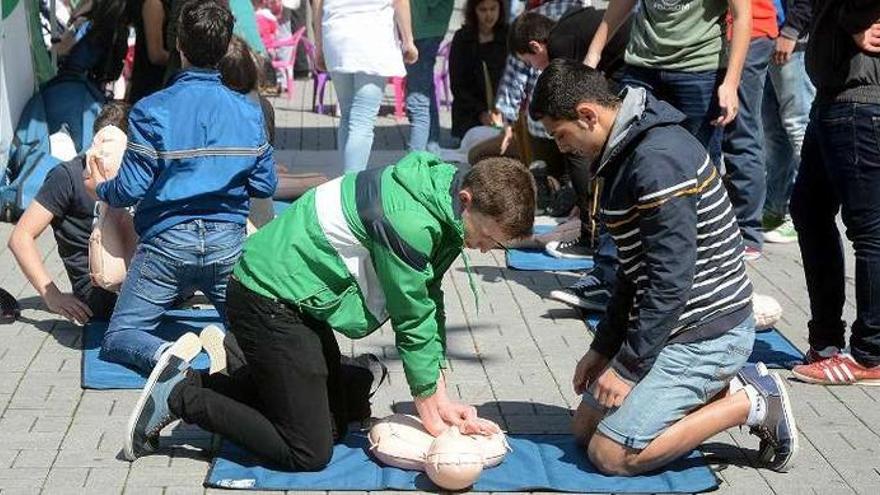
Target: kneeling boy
{"x": 667, "y": 369}
{"x": 347, "y": 256}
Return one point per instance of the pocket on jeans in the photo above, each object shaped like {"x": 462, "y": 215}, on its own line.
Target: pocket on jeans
{"x": 158, "y": 279}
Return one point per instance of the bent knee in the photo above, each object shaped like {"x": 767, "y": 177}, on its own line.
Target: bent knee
{"x": 309, "y": 459}
{"x": 611, "y": 458}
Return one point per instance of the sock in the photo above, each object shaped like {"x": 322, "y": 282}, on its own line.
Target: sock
{"x": 162, "y": 348}
{"x": 735, "y": 385}
{"x": 757, "y": 406}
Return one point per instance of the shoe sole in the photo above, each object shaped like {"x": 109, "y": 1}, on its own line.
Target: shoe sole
{"x": 212, "y": 341}
{"x": 575, "y": 301}
{"x": 187, "y": 348}
{"x": 775, "y": 240}
{"x": 789, "y": 417}
{"x": 820, "y": 381}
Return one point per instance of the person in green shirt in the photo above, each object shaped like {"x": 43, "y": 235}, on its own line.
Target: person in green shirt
{"x": 348, "y": 256}
{"x": 679, "y": 51}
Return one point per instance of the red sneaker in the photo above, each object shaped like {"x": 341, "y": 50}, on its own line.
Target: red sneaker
{"x": 840, "y": 369}
{"x": 814, "y": 356}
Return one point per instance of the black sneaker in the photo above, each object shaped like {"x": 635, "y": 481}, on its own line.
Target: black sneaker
{"x": 365, "y": 374}
{"x": 574, "y": 249}
{"x": 9, "y": 308}
{"x": 587, "y": 293}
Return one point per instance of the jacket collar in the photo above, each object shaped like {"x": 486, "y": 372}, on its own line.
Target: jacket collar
{"x": 193, "y": 74}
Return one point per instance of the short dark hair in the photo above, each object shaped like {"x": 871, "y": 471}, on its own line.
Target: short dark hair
{"x": 238, "y": 69}
{"x": 115, "y": 113}
{"x": 564, "y": 84}
{"x": 204, "y": 32}
{"x": 504, "y": 190}
{"x": 529, "y": 26}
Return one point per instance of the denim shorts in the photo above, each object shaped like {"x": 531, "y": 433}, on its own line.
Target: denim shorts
{"x": 683, "y": 378}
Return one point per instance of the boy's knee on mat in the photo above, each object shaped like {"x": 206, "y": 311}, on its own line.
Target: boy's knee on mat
{"x": 612, "y": 458}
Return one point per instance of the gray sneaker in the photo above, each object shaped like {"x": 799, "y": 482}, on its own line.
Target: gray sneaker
{"x": 778, "y": 432}
{"x": 151, "y": 413}
{"x": 588, "y": 293}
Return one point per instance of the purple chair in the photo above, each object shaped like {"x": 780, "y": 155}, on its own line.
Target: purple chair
{"x": 441, "y": 77}
{"x": 319, "y": 78}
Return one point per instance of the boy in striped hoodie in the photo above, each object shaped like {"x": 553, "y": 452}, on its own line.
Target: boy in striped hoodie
{"x": 346, "y": 257}
{"x": 667, "y": 368}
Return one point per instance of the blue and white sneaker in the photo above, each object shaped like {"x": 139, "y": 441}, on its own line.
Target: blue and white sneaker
{"x": 778, "y": 432}
{"x": 151, "y": 413}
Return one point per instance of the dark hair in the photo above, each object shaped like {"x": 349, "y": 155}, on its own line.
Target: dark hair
{"x": 115, "y": 113}
{"x": 204, "y": 32}
{"x": 504, "y": 190}
{"x": 238, "y": 69}
{"x": 564, "y": 84}
{"x": 470, "y": 15}
{"x": 529, "y": 26}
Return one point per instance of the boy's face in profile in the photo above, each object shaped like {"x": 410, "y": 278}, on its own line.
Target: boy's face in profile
{"x": 579, "y": 137}
{"x": 481, "y": 231}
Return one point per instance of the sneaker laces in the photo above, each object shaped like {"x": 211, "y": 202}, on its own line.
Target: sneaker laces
{"x": 763, "y": 432}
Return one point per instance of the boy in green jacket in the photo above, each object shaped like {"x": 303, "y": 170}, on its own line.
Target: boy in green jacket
{"x": 347, "y": 256}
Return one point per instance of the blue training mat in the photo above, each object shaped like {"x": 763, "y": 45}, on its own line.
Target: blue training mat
{"x": 771, "y": 347}
{"x": 539, "y": 260}
{"x": 103, "y": 375}
{"x": 537, "y": 462}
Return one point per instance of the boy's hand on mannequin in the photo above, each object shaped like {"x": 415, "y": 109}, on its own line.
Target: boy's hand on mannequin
{"x": 588, "y": 370}
{"x": 611, "y": 390}
{"x": 438, "y": 413}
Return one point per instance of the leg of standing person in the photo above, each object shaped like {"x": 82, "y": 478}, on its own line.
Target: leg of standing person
{"x": 421, "y": 106}
{"x": 779, "y": 157}
{"x": 360, "y": 96}
{"x": 742, "y": 145}
{"x": 158, "y": 275}
{"x": 850, "y": 144}
{"x": 793, "y": 93}
{"x": 814, "y": 208}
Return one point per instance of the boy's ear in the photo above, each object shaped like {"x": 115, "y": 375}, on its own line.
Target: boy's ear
{"x": 466, "y": 198}
{"x": 535, "y": 46}
{"x": 587, "y": 112}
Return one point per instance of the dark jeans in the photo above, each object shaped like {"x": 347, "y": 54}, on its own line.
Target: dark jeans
{"x": 743, "y": 146}
{"x": 840, "y": 171}
{"x": 695, "y": 94}
{"x": 289, "y": 400}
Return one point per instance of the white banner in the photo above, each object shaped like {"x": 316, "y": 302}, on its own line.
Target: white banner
{"x": 16, "y": 73}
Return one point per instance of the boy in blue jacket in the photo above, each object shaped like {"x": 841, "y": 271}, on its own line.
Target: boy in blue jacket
{"x": 197, "y": 150}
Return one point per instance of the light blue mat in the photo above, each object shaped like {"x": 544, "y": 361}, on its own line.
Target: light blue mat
{"x": 537, "y": 462}
{"x": 103, "y": 375}
{"x": 539, "y": 260}
{"x": 771, "y": 347}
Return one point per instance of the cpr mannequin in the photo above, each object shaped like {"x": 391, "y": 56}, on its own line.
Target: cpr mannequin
{"x": 452, "y": 460}
{"x": 113, "y": 240}
{"x": 767, "y": 311}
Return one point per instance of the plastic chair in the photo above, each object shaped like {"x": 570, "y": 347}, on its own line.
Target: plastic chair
{"x": 441, "y": 77}
{"x": 286, "y": 66}
{"x": 399, "y": 84}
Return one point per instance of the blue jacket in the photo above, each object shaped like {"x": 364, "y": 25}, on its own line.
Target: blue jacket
{"x": 196, "y": 150}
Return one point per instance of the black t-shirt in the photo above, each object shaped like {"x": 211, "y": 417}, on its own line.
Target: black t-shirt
{"x": 64, "y": 195}
{"x": 572, "y": 34}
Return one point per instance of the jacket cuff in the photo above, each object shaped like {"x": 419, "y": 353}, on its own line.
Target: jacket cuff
{"x": 605, "y": 347}
{"x": 422, "y": 391}
{"x": 790, "y": 33}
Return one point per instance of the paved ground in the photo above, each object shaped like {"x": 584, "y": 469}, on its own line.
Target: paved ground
{"x": 514, "y": 360}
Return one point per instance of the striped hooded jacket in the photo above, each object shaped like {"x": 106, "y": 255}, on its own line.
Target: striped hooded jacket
{"x": 364, "y": 248}
{"x": 681, "y": 276}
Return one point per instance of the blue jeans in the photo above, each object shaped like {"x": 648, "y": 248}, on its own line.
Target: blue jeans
{"x": 693, "y": 93}
{"x": 683, "y": 378}
{"x": 196, "y": 255}
{"x": 742, "y": 146}
{"x": 421, "y": 106}
{"x": 788, "y": 95}
{"x": 840, "y": 172}
{"x": 360, "y": 96}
